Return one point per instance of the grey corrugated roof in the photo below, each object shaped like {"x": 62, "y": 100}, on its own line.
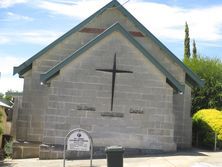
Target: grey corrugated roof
{"x": 4, "y": 105}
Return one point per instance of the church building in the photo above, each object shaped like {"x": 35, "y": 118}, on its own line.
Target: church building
{"x": 112, "y": 77}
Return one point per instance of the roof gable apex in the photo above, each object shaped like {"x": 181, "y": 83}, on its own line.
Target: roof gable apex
{"x": 116, "y": 27}
{"x": 191, "y": 77}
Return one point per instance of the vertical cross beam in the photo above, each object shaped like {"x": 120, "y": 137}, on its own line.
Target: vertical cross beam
{"x": 114, "y": 70}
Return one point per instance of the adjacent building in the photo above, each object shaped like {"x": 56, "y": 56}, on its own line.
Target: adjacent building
{"x": 5, "y": 124}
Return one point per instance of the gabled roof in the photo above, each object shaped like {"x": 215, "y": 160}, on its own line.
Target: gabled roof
{"x": 4, "y": 105}
{"x": 116, "y": 27}
{"x": 27, "y": 65}
{"x": 192, "y": 78}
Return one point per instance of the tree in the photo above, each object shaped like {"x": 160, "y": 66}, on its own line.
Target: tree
{"x": 186, "y": 42}
{"x": 194, "y": 54}
{"x": 1, "y": 128}
{"x": 1, "y": 132}
{"x": 1, "y": 95}
{"x": 210, "y": 95}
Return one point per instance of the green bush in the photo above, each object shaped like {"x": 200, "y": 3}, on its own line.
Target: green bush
{"x": 206, "y": 123}
{"x": 1, "y": 128}
{"x": 8, "y": 149}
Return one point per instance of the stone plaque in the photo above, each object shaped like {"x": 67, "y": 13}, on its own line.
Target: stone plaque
{"x": 85, "y": 108}
{"x": 136, "y": 111}
{"x": 112, "y": 114}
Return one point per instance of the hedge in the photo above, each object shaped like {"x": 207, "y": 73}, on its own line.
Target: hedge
{"x": 1, "y": 126}
{"x": 206, "y": 123}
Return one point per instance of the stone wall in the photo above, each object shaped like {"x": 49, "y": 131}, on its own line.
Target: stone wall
{"x": 183, "y": 120}
{"x": 25, "y": 150}
{"x": 143, "y": 100}
{"x": 16, "y": 110}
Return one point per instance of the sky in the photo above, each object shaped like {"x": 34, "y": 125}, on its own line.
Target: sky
{"x": 27, "y": 26}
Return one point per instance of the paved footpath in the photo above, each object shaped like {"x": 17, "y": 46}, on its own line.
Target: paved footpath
{"x": 181, "y": 159}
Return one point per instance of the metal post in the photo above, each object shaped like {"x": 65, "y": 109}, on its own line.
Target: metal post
{"x": 64, "y": 152}
{"x": 91, "y": 156}
{"x": 215, "y": 141}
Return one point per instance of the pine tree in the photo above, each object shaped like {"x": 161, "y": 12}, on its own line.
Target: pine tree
{"x": 194, "y": 50}
{"x": 186, "y": 42}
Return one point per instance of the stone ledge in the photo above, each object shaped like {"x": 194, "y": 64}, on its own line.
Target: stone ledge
{"x": 25, "y": 150}
{"x": 112, "y": 114}
{"x": 56, "y": 152}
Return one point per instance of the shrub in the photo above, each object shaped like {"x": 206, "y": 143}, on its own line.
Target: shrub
{"x": 8, "y": 148}
{"x": 1, "y": 128}
{"x": 206, "y": 123}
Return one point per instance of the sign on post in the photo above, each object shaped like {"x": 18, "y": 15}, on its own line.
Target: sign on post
{"x": 78, "y": 140}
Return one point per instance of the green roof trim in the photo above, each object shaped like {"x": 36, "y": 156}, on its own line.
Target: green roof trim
{"x": 193, "y": 78}
{"x": 116, "y": 27}
{"x": 22, "y": 69}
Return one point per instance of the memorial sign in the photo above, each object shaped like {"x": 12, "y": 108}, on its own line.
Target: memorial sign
{"x": 78, "y": 140}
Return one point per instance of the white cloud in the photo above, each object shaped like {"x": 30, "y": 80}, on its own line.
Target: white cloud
{"x": 9, "y": 3}
{"x": 7, "y": 82}
{"x": 80, "y": 9}
{"x": 41, "y": 37}
{"x": 16, "y": 17}
{"x": 4, "y": 40}
{"x": 11, "y": 83}
{"x": 8, "y": 62}
{"x": 166, "y": 22}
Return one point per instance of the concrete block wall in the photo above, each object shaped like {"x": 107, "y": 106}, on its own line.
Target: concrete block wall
{"x": 112, "y": 16}
{"x": 33, "y": 105}
{"x": 145, "y": 89}
{"x": 64, "y": 49}
{"x": 29, "y": 124}
{"x": 161, "y": 56}
{"x": 16, "y": 110}
{"x": 23, "y": 115}
{"x": 183, "y": 120}
{"x": 49, "y": 112}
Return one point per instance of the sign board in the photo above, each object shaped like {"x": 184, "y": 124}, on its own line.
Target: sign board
{"x": 78, "y": 141}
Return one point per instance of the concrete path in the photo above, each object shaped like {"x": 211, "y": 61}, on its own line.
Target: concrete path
{"x": 181, "y": 159}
